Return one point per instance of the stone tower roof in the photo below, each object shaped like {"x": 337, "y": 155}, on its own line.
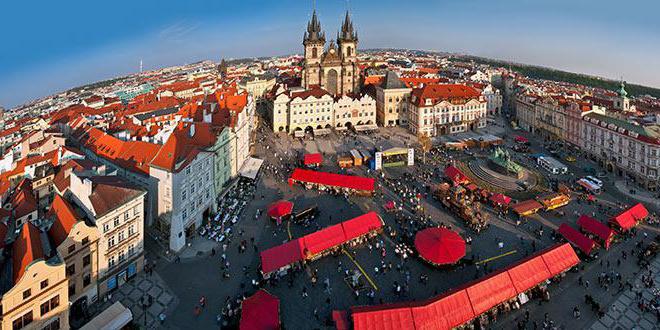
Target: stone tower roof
{"x": 314, "y": 33}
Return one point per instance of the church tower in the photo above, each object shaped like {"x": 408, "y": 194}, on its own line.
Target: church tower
{"x": 347, "y": 40}
{"x": 314, "y": 42}
{"x": 623, "y": 102}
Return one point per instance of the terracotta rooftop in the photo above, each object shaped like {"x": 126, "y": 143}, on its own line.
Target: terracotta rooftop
{"x": 26, "y": 249}
{"x": 110, "y": 192}
{"x": 182, "y": 147}
{"x": 63, "y": 218}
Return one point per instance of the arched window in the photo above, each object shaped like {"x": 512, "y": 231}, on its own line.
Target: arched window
{"x": 314, "y": 52}
{"x": 349, "y": 51}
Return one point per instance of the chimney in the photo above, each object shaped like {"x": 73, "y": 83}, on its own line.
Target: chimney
{"x": 192, "y": 130}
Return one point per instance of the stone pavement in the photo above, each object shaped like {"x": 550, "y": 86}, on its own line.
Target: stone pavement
{"x": 132, "y": 291}
{"x": 640, "y": 194}
{"x": 624, "y": 313}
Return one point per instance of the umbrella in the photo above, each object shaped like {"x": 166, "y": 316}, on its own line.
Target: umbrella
{"x": 280, "y": 209}
{"x": 440, "y": 246}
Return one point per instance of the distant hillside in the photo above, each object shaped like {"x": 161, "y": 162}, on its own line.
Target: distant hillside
{"x": 539, "y": 72}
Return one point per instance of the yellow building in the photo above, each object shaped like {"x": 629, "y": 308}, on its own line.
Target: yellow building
{"x": 34, "y": 290}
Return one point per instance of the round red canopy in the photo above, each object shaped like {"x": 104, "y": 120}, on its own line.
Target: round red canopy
{"x": 280, "y": 209}
{"x": 440, "y": 246}
{"x": 261, "y": 311}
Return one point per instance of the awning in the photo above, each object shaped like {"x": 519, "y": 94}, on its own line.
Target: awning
{"x": 520, "y": 139}
{"x": 364, "y": 128}
{"x": 491, "y": 292}
{"x": 529, "y": 273}
{"x": 313, "y": 159}
{"x": 585, "y": 243}
{"x": 455, "y": 175}
{"x": 639, "y": 212}
{"x": 500, "y": 199}
{"x": 260, "y": 311}
{"x": 440, "y": 246}
{"x": 333, "y": 179}
{"x": 114, "y": 317}
{"x": 597, "y": 228}
{"x": 324, "y": 239}
{"x": 279, "y": 209}
{"x": 321, "y": 131}
{"x": 629, "y": 218}
{"x": 281, "y": 256}
{"x": 299, "y": 133}
{"x": 251, "y": 167}
{"x": 361, "y": 225}
{"x": 560, "y": 258}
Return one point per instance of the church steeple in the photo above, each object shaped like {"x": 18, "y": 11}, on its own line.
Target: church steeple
{"x": 347, "y": 32}
{"x": 314, "y": 33}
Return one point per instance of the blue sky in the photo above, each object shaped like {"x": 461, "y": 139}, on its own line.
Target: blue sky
{"x": 50, "y": 46}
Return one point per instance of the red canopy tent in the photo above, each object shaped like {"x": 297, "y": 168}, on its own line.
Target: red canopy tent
{"x": 392, "y": 317}
{"x": 455, "y": 175}
{"x": 440, "y": 246}
{"x": 361, "y": 225}
{"x": 585, "y": 243}
{"x": 528, "y": 273}
{"x": 444, "y": 312}
{"x": 333, "y": 180}
{"x": 313, "y": 159}
{"x": 560, "y": 258}
{"x": 341, "y": 320}
{"x": 500, "y": 199}
{"x": 281, "y": 256}
{"x": 280, "y": 209}
{"x": 639, "y": 212}
{"x": 324, "y": 239}
{"x": 597, "y": 228}
{"x": 261, "y": 311}
{"x": 490, "y": 292}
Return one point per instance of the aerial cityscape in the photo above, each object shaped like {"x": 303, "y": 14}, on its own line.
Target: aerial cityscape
{"x": 343, "y": 184}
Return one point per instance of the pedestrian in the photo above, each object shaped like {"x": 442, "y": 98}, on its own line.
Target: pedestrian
{"x": 304, "y": 292}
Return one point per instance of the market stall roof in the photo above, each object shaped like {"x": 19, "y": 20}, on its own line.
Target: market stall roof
{"x": 490, "y": 292}
{"x": 521, "y": 139}
{"x": 444, "y": 312}
{"x": 440, "y": 246}
{"x": 341, "y": 320}
{"x": 585, "y": 243}
{"x": 597, "y": 228}
{"x": 361, "y": 225}
{"x": 500, "y": 199}
{"x": 279, "y": 209}
{"x": 261, "y": 311}
{"x": 528, "y": 273}
{"x": 455, "y": 175}
{"x": 638, "y": 211}
{"x": 624, "y": 220}
{"x": 251, "y": 167}
{"x": 388, "y": 318}
{"x": 525, "y": 207}
{"x": 333, "y": 179}
{"x": 282, "y": 255}
{"x": 313, "y": 159}
{"x": 324, "y": 239}
{"x": 560, "y": 258}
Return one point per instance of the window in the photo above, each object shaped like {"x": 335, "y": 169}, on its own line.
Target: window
{"x": 22, "y": 321}
{"x": 71, "y": 269}
{"x": 126, "y": 215}
{"x": 55, "y": 325}
{"x": 111, "y": 241}
{"x": 87, "y": 279}
{"x": 111, "y": 261}
{"x": 121, "y": 236}
{"x": 43, "y": 284}
{"x": 183, "y": 195}
{"x": 131, "y": 249}
{"x": 27, "y": 293}
{"x": 72, "y": 248}
{"x": 106, "y": 227}
{"x": 85, "y": 240}
{"x": 131, "y": 230}
{"x": 116, "y": 222}
{"x": 72, "y": 289}
{"x": 135, "y": 210}
{"x": 122, "y": 256}
{"x": 87, "y": 260}
{"x": 50, "y": 305}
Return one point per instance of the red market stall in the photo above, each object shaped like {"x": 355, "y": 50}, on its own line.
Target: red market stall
{"x": 260, "y": 311}
{"x": 630, "y": 217}
{"x": 362, "y": 225}
{"x": 358, "y": 184}
{"x": 527, "y": 207}
{"x": 520, "y": 139}
{"x": 313, "y": 159}
{"x": 459, "y": 306}
{"x": 324, "y": 239}
{"x": 341, "y": 320}
{"x": 282, "y": 256}
{"x": 280, "y": 209}
{"x": 591, "y": 225}
{"x": 639, "y": 212}
{"x": 500, "y": 200}
{"x": 490, "y": 292}
{"x": 585, "y": 243}
{"x": 440, "y": 246}
{"x": 456, "y": 176}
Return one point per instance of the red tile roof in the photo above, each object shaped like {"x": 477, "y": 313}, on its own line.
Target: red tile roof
{"x": 444, "y": 92}
{"x": 26, "y": 249}
{"x": 181, "y": 148}
{"x": 316, "y": 92}
{"x": 63, "y": 218}
{"x": 110, "y": 192}
{"x": 132, "y": 155}
{"x": 23, "y": 201}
